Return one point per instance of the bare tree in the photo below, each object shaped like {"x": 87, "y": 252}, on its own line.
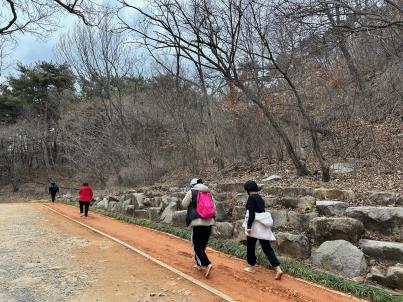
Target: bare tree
{"x": 34, "y": 16}
{"x": 209, "y": 35}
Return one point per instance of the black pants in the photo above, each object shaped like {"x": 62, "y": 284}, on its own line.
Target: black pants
{"x": 266, "y": 247}
{"x": 84, "y": 206}
{"x": 53, "y": 197}
{"x": 200, "y": 237}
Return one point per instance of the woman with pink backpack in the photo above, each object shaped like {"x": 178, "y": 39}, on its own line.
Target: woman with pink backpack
{"x": 200, "y": 216}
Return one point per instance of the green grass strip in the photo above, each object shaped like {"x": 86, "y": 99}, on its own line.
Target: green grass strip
{"x": 292, "y": 267}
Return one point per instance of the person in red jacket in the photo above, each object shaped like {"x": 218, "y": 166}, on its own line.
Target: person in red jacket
{"x": 85, "y": 199}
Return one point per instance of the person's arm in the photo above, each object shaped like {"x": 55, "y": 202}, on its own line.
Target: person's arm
{"x": 92, "y": 193}
{"x": 57, "y": 189}
{"x": 187, "y": 200}
{"x": 252, "y": 210}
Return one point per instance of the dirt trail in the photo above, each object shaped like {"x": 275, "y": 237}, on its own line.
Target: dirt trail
{"x": 228, "y": 275}
{"x": 45, "y": 257}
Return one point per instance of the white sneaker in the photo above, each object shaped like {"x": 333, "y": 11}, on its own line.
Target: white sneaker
{"x": 249, "y": 269}
{"x": 199, "y": 268}
{"x": 208, "y": 270}
{"x": 81, "y": 214}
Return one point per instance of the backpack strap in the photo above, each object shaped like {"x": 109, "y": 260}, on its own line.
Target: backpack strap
{"x": 193, "y": 203}
{"x": 191, "y": 212}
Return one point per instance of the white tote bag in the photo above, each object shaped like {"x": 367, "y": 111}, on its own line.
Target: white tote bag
{"x": 261, "y": 227}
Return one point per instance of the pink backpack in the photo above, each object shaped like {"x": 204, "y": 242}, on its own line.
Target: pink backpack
{"x": 205, "y": 205}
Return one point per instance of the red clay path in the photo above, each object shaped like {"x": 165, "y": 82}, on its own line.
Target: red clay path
{"x": 227, "y": 276}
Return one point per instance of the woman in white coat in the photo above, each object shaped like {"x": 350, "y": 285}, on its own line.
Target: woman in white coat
{"x": 257, "y": 226}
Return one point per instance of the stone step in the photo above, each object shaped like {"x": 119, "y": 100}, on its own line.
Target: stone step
{"x": 331, "y": 207}
{"x": 382, "y": 250}
{"x": 383, "y": 221}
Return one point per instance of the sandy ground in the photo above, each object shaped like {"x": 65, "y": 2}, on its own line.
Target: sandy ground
{"x": 228, "y": 275}
{"x": 45, "y": 257}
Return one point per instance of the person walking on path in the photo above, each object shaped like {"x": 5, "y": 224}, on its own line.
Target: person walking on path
{"x": 200, "y": 217}
{"x": 53, "y": 190}
{"x": 86, "y": 195}
{"x": 257, "y": 226}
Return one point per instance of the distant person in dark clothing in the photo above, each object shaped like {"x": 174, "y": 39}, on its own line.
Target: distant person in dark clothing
{"x": 86, "y": 195}
{"x": 257, "y": 226}
{"x": 53, "y": 190}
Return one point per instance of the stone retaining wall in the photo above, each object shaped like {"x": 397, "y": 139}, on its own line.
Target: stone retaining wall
{"x": 321, "y": 226}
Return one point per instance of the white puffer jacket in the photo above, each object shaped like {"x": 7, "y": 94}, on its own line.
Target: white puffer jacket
{"x": 261, "y": 227}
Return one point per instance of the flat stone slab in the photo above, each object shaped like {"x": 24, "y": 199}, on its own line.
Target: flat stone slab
{"x": 331, "y": 207}
{"x": 305, "y": 203}
{"x": 333, "y": 194}
{"x": 288, "y": 191}
{"x": 300, "y": 221}
{"x": 336, "y": 228}
{"x": 385, "y": 250}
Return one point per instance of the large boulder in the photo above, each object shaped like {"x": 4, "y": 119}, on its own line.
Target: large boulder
{"x": 223, "y": 230}
{"x": 331, "y": 207}
{"x": 383, "y": 221}
{"x": 168, "y": 213}
{"x": 154, "y": 213}
{"x": 238, "y": 212}
{"x": 280, "y": 218}
{"x": 341, "y": 257}
{"x": 300, "y": 221}
{"x": 334, "y": 228}
{"x": 138, "y": 200}
{"x": 305, "y": 203}
{"x": 392, "y": 279}
{"x": 179, "y": 218}
{"x": 382, "y": 198}
{"x": 220, "y": 213}
{"x": 103, "y": 204}
{"x": 239, "y": 231}
{"x": 384, "y": 250}
{"x": 294, "y": 246}
{"x": 333, "y": 194}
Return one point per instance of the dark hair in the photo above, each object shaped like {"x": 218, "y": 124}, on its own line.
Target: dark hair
{"x": 85, "y": 183}
{"x": 251, "y": 186}
{"x": 199, "y": 181}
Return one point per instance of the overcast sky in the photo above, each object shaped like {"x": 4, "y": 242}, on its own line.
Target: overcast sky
{"x": 31, "y": 49}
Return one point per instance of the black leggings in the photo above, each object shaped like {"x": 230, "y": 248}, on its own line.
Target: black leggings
{"x": 200, "y": 237}
{"x": 53, "y": 197}
{"x": 84, "y": 206}
{"x": 266, "y": 247}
